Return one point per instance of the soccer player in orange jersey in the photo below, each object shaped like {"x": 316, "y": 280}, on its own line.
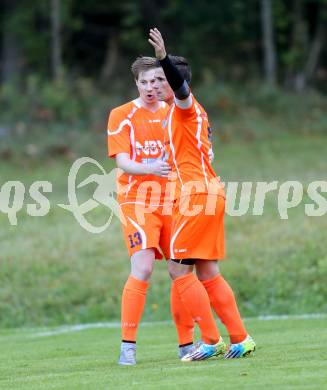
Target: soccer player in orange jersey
{"x": 198, "y": 237}
{"x": 135, "y": 140}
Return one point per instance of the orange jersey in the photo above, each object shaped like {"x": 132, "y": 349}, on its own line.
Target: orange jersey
{"x": 137, "y": 131}
{"x": 186, "y": 133}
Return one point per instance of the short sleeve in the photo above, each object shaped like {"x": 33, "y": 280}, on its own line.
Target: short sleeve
{"x": 186, "y": 113}
{"x": 118, "y": 133}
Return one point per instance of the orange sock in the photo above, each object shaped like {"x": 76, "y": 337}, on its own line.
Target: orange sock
{"x": 195, "y": 299}
{"x": 223, "y": 301}
{"x": 132, "y": 306}
{"x": 183, "y": 320}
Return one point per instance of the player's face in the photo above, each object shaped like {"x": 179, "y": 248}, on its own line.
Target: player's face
{"x": 145, "y": 85}
{"x": 162, "y": 87}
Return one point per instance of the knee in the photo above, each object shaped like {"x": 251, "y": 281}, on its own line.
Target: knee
{"x": 173, "y": 273}
{"x": 206, "y": 270}
{"x": 205, "y": 274}
{"x": 143, "y": 271}
{"x": 142, "y": 264}
{"x": 175, "y": 270}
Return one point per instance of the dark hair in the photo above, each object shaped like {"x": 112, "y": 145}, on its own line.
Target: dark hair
{"x": 183, "y": 66}
{"x": 142, "y": 64}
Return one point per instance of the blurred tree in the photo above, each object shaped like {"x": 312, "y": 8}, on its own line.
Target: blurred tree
{"x": 268, "y": 42}
{"x": 56, "y": 60}
{"x": 111, "y": 56}
{"x": 11, "y": 56}
{"x": 307, "y": 40}
{"x": 230, "y": 40}
{"x": 212, "y": 35}
{"x": 318, "y": 42}
{"x": 93, "y": 37}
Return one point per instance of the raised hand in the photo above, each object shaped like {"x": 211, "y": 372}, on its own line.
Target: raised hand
{"x": 157, "y": 43}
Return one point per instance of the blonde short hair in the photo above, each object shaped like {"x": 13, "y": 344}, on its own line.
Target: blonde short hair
{"x": 142, "y": 64}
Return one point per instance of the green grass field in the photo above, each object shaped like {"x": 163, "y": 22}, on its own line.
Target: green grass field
{"x": 291, "y": 354}
{"x": 53, "y": 272}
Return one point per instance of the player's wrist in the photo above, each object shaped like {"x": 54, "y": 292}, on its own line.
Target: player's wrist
{"x": 148, "y": 169}
{"x": 162, "y": 55}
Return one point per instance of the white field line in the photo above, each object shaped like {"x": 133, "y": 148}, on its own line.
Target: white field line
{"x": 95, "y": 325}
{"x": 290, "y": 317}
{"x": 115, "y": 325}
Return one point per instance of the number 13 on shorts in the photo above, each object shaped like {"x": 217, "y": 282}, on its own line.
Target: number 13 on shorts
{"x": 135, "y": 239}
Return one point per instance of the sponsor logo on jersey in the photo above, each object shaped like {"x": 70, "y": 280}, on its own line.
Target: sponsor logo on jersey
{"x": 150, "y": 148}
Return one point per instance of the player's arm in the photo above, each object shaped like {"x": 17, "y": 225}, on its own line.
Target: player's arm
{"x": 158, "y": 167}
{"x": 176, "y": 81}
{"x": 119, "y": 148}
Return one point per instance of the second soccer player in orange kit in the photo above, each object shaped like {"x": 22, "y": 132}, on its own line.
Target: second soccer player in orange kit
{"x": 198, "y": 239}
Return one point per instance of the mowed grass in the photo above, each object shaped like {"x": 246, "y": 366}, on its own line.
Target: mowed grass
{"x": 290, "y": 355}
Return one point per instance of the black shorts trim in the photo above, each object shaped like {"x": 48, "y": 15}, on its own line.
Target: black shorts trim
{"x": 184, "y": 261}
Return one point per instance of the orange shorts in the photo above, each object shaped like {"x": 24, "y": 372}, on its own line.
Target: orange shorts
{"x": 199, "y": 236}
{"x": 144, "y": 230}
